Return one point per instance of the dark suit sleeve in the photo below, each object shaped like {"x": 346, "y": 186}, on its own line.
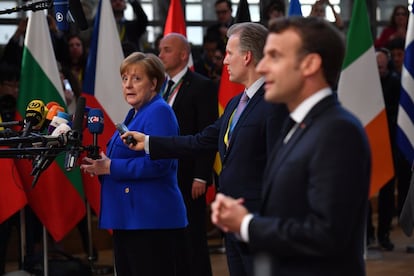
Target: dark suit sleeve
{"x": 141, "y": 20}
{"x": 185, "y": 146}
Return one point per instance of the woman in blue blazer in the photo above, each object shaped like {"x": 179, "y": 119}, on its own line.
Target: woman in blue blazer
{"x": 140, "y": 199}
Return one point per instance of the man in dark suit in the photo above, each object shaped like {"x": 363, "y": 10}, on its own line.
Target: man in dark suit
{"x": 315, "y": 195}
{"x": 193, "y": 98}
{"x": 243, "y": 145}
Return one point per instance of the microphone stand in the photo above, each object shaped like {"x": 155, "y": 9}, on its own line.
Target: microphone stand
{"x": 102, "y": 269}
{"x": 35, "y": 6}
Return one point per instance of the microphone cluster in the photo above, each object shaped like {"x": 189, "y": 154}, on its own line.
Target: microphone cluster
{"x": 47, "y": 131}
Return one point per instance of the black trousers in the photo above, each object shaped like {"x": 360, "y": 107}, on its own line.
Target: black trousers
{"x": 151, "y": 252}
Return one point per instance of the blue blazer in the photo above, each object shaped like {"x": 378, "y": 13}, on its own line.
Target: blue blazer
{"x": 244, "y": 159}
{"x": 315, "y": 195}
{"x": 141, "y": 193}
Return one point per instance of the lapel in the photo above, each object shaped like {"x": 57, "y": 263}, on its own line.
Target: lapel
{"x": 127, "y": 120}
{"x": 183, "y": 87}
{"x": 251, "y": 106}
{"x": 281, "y": 151}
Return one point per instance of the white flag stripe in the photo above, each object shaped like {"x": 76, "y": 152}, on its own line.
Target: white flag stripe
{"x": 108, "y": 85}
{"x": 40, "y": 46}
{"x": 404, "y": 119}
{"x": 407, "y": 83}
{"x": 405, "y": 122}
{"x": 366, "y": 87}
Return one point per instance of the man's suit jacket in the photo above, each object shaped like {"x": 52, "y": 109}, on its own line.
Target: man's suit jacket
{"x": 195, "y": 107}
{"x": 244, "y": 159}
{"x": 313, "y": 214}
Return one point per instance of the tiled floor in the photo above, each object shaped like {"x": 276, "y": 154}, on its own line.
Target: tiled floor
{"x": 379, "y": 263}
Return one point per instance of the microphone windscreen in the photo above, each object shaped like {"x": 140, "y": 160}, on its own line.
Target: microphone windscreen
{"x": 50, "y": 104}
{"x": 75, "y": 8}
{"x": 53, "y": 111}
{"x": 95, "y": 121}
{"x": 61, "y": 129}
{"x": 35, "y": 113}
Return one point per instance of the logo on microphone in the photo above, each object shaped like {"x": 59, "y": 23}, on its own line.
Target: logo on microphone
{"x": 95, "y": 119}
{"x": 59, "y": 17}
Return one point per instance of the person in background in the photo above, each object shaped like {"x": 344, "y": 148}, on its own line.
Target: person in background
{"x": 244, "y": 135}
{"x": 218, "y": 59}
{"x": 193, "y": 98}
{"x": 205, "y": 65}
{"x": 9, "y": 88}
{"x": 77, "y": 57}
{"x": 225, "y": 19}
{"x": 130, "y": 31}
{"x": 397, "y": 49}
{"x": 71, "y": 88}
{"x": 396, "y": 28}
{"x": 140, "y": 198}
{"x": 316, "y": 182}
{"x": 390, "y": 84}
{"x": 274, "y": 9}
{"x": 319, "y": 10}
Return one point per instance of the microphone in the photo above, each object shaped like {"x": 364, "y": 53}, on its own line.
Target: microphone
{"x": 61, "y": 129}
{"x": 34, "y": 117}
{"x": 60, "y": 118}
{"x": 53, "y": 111}
{"x": 35, "y": 6}
{"x": 95, "y": 126}
{"x": 62, "y": 15}
{"x": 75, "y": 136}
{"x": 50, "y": 104}
{"x": 76, "y": 10}
{"x": 43, "y": 161}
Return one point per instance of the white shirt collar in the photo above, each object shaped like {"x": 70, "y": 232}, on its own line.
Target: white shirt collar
{"x": 303, "y": 108}
{"x": 251, "y": 91}
{"x": 180, "y": 74}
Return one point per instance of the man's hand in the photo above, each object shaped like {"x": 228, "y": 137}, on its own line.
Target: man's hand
{"x": 227, "y": 213}
{"x": 198, "y": 189}
{"x": 138, "y": 137}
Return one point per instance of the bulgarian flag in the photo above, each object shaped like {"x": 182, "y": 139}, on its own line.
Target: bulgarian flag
{"x": 57, "y": 198}
{"x": 12, "y": 195}
{"x": 360, "y": 91}
{"x": 102, "y": 87}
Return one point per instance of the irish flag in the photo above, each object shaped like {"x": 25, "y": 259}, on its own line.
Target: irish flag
{"x": 57, "y": 198}
{"x": 359, "y": 90}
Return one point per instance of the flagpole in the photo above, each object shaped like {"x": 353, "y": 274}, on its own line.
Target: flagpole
{"x": 45, "y": 253}
{"x": 22, "y": 216}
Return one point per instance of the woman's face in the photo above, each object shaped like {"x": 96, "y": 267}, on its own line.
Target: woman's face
{"x": 138, "y": 89}
{"x": 75, "y": 48}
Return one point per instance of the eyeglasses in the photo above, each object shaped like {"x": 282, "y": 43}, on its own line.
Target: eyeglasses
{"x": 401, "y": 13}
{"x": 222, "y": 11}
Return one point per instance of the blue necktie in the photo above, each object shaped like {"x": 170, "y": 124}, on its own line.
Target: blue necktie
{"x": 240, "y": 107}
